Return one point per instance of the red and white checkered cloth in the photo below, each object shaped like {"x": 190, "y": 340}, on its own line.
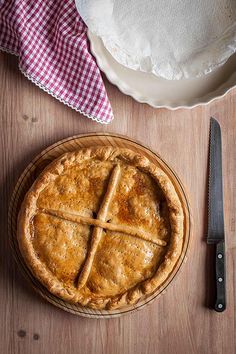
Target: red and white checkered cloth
{"x": 51, "y": 41}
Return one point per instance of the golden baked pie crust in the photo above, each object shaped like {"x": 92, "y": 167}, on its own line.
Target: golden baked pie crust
{"x": 37, "y": 222}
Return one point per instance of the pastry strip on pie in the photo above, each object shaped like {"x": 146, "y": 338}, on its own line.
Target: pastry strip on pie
{"x": 97, "y": 231}
{"x": 129, "y": 230}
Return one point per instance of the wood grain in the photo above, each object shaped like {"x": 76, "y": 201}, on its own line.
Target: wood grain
{"x": 180, "y": 321}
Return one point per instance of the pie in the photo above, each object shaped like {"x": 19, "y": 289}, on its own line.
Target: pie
{"x": 101, "y": 227}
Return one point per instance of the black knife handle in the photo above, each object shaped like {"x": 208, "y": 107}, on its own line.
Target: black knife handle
{"x": 220, "y": 304}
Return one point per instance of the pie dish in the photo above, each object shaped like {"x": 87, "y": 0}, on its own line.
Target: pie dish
{"x": 102, "y": 227}
{"x": 161, "y": 93}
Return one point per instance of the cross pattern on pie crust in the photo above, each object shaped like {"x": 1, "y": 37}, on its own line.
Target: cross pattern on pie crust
{"x": 99, "y": 224}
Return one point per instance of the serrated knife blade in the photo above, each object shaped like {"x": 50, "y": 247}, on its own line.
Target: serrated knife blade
{"x": 215, "y": 196}
{"x": 216, "y": 233}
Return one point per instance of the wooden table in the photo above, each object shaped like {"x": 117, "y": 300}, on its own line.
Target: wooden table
{"x": 180, "y": 321}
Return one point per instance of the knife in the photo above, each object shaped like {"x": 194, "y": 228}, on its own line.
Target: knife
{"x": 216, "y": 233}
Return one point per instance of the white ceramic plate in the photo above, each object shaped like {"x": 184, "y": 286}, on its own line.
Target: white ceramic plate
{"x": 161, "y": 93}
